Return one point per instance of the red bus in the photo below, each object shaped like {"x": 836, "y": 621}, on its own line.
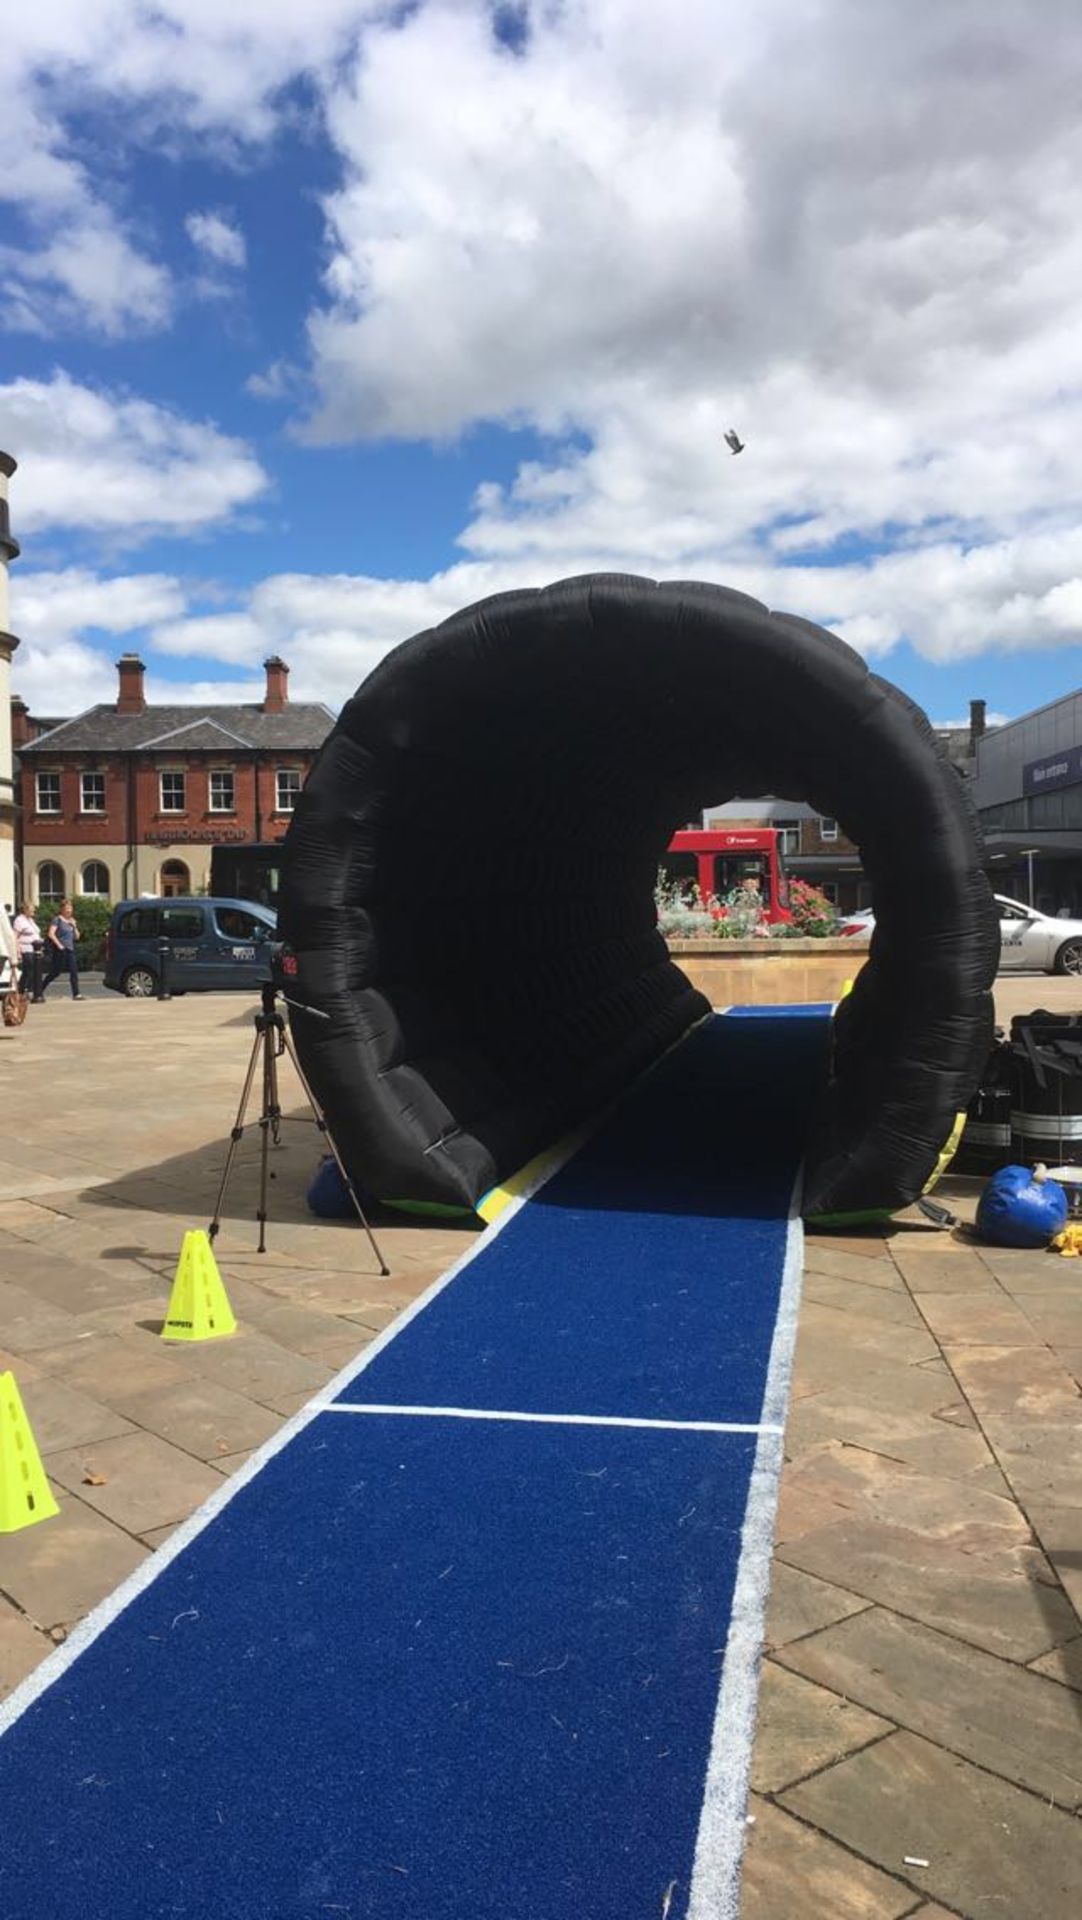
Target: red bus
{"x": 716, "y": 860}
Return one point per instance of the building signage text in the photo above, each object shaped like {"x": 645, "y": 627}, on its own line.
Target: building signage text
{"x": 170, "y": 836}
{"x": 1055, "y": 770}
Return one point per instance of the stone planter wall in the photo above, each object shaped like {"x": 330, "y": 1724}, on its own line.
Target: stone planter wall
{"x": 769, "y": 973}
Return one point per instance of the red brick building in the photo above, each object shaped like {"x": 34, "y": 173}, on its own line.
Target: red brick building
{"x": 130, "y": 799}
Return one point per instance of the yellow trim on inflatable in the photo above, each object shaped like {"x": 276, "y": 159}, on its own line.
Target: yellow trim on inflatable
{"x": 497, "y": 1199}
{"x": 947, "y": 1154}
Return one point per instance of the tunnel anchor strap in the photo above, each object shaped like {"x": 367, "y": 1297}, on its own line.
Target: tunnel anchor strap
{"x": 938, "y": 1215}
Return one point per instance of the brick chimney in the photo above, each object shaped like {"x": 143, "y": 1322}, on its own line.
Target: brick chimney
{"x": 130, "y": 695}
{"x": 977, "y": 711}
{"x": 276, "y": 698}
{"x": 21, "y": 730}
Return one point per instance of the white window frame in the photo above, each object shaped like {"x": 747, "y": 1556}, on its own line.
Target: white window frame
{"x": 828, "y": 828}
{"x": 91, "y": 773}
{"x": 221, "y": 773}
{"x": 94, "y": 893}
{"x": 48, "y": 773}
{"x": 285, "y": 798}
{"x": 788, "y": 837}
{"x": 173, "y": 773}
{"x": 48, "y": 893}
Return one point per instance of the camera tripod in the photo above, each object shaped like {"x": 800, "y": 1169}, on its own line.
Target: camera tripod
{"x": 271, "y": 1042}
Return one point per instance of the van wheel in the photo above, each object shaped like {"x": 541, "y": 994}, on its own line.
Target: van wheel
{"x": 139, "y": 983}
{"x": 1069, "y": 957}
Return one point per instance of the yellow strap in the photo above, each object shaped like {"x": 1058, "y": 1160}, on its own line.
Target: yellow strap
{"x": 947, "y": 1154}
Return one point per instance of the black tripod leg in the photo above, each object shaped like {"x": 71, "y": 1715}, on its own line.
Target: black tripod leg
{"x": 234, "y": 1139}
{"x": 268, "y": 1124}
{"x": 321, "y": 1123}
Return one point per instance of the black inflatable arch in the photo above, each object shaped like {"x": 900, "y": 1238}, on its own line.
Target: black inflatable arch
{"x": 468, "y": 883}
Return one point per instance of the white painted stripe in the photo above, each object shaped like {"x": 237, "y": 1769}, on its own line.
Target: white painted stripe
{"x": 88, "y": 1630}
{"x": 715, "y": 1879}
{"x": 550, "y": 1419}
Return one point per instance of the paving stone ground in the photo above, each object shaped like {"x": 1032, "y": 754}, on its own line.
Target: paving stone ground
{"x": 922, "y": 1685}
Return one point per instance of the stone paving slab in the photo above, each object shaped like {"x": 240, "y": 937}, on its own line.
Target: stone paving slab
{"x": 791, "y": 1869}
{"x": 1063, "y": 1664}
{"x": 892, "y": 1304}
{"x": 30, "y": 1322}
{"x": 975, "y": 1320}
{"x": 1059, "y": 1530}
{"x": 21, "y": 1647}
{"x": 57, "y": 1571}
{"x": 202, "y": 1418}
{"x": 1004, "y": 1717}
{"x": 60, "y": 1416}
{"x": 1004, "y": 1600}
{"x": 991, "y": 1848}
{"x": 803, "y": 1728}
{"x": 146, "y": 1482}
{"x": 908, "y": 1436}
{"x": 800, "y": 1604}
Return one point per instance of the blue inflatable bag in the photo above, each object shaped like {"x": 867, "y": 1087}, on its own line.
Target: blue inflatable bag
{"x": 328, "y": 1195}
{"x": 1021, "y": 1207}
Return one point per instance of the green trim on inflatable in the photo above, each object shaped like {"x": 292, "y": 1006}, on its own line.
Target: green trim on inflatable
{"x": 436, "y": 1209}
{"x": 875, "y": 1217}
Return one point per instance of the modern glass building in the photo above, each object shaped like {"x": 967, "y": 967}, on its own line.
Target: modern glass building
{"x": 1027, "y": 787}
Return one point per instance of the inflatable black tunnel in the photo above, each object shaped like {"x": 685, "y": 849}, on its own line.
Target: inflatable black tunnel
{"x": 468, "y": 883}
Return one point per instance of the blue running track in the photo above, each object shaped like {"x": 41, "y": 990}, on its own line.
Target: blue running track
{"x": 451, "y": 1647}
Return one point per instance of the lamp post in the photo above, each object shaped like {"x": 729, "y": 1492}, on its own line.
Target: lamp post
{"x": 1028, "y": 853}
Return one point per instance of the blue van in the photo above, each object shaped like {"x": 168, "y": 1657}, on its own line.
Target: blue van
{"x": 213, "y": 944}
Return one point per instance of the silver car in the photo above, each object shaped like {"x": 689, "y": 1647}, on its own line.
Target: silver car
{"x": 1029, "y": 942}
{"x": 1037, "y": 942}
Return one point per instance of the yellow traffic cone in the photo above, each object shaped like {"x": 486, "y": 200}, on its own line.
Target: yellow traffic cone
{"x": 25, "y": 1494}
{"x": 199, "y": 1306}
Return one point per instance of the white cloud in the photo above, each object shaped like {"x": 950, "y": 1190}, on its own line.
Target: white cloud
{"x": 217, "y": 236}
{"x": 87, "y": 272}
{"x": 95, "y": 460}
{"x": 849, "y": 232}
{"x": 167, "y": 75}
{"x": 954, "y": 602}
{"x": 281, "y": 381}
{"x": 58, "y": 669}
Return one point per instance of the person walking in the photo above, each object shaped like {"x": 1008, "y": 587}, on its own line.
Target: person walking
{"x": 63, "y": 933}
{"x": 27, "y": 933}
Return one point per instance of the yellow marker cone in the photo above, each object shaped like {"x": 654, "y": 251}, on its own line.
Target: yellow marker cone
{"x": 199, "y": 1306}
{"x": 25, "y": 1494}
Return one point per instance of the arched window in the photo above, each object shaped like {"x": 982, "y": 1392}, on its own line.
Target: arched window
{"x": 51, "y": 882}
{"x": 94, "y": 881}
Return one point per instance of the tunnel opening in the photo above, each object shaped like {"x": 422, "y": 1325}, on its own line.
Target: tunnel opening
{"x": 468, "y": 883}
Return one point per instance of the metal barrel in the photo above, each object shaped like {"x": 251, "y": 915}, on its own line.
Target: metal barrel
{"x": 1046, "y": 1088}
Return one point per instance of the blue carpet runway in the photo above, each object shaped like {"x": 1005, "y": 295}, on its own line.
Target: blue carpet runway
{"x": 450, "y": 1648}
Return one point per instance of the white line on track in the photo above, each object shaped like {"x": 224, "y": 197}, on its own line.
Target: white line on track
{"x": 552, "y": 1419}
{"x": 715, "y": 1879}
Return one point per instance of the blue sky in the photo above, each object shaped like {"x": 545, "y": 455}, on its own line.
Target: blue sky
{"x": 313, "y": 330}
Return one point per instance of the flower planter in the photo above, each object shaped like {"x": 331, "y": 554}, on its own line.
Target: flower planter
{"x": 770, "y": 973}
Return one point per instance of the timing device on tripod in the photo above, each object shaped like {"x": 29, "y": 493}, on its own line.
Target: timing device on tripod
{"x": 271, "y": 1041}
